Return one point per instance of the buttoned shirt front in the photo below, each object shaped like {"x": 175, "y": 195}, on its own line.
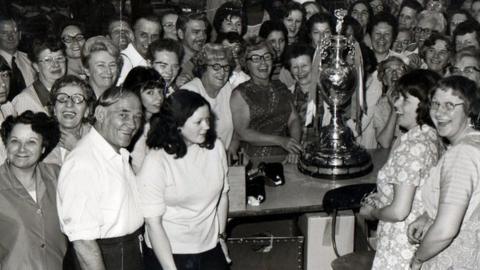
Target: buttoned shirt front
{"x": 30, "y": 236}
{"x": 97, "y": 193}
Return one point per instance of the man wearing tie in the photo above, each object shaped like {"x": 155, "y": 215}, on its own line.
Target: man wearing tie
{"x": 22, "y": 74}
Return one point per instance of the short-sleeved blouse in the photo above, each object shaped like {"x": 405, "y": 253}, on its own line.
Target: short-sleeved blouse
{"x": 409, "y": 162}
{"x": 185, "y": 192}
{"x": 270, "y": 108}
{"x": 456, "y": 180}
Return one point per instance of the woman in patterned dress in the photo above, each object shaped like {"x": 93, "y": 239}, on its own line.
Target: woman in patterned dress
{"x": 449, "y": 230}
{"x": 397, "y": 202}
{"x": 262, "y": 110}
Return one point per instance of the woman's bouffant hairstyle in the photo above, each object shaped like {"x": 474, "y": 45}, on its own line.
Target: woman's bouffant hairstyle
{"x": 211, "y": 52}
{"x": 165, "y": 126}
{"x": 40, "y": 122}
{"x": 40, "y": 44}
{"x": 142, "y": 78}
{"x": 96, "y": 44}
{"x": 72, "y": 80}
{"x": 268, "y": 27}
{"x": 227, "y": 11}
{"x": 418, "y": 83}
{"x": 466, "y": 90}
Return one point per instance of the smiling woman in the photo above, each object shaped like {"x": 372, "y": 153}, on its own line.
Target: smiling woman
{"x": 72, "y": 105}
{"x": 27, "y": 188}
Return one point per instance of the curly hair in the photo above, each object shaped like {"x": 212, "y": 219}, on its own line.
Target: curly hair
{"x": 211, "y": 52}
{"x": 99, "y": 43}
{"x": 42, "y": 124}
{"x": 165, "y": 126}
{"x": 41, "y": 44}
{"x": 419, "y": 83}
{"x": 225, "y": 12}
{"x": 70, "y": 80}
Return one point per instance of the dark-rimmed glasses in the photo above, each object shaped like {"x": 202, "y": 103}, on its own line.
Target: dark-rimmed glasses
{"x": 75, "y": 98}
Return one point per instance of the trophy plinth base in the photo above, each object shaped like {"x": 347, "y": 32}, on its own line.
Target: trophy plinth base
{"x": 335, "y": 163}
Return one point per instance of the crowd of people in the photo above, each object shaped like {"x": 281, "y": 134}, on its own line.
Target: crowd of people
{"x": 115, "y": 147}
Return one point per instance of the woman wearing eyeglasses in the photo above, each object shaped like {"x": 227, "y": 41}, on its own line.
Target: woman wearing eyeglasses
{"x": 263, "y": 112}
{"x": 448, "y": 232}
{"x": 71, "y": 104}
{"x": 73, "y": 40}
{"x": 48, "y": 60}
{"x": 214, "y": 64}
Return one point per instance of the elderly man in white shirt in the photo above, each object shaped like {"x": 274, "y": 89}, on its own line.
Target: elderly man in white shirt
{"x": 97, "y": 195}
{"x": 145, "y": 30}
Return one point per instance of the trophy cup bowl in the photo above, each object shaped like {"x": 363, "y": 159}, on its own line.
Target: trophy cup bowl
{"x": 336, "y": 155}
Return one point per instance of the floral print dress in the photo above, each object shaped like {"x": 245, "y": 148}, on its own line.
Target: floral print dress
{"x": 413, "y": 155}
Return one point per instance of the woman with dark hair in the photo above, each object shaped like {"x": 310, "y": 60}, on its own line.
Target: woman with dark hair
{"x": 183, "y": 187}
{"x": 71, "y": 103}
{"x": 319, "y": 28}
{"x": 436, "y": 53}
{"x": 448, "y": 230}
{"x": 397, "y": 202}
{"x": 293, "y": 17}
{"x": 147, "y": 83}
{"x": 230, "y": 18}
{"x": 361, "y": 11}
{"x": 6, "y": 108}
{"x": 275, "y": 34}
{"x": 31, "y": 236}
{"x": 73, "y": 38}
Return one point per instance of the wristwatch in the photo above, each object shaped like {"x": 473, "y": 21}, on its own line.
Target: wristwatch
{"x": 222, "y": 236}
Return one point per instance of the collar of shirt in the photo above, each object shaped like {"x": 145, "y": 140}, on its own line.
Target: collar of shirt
{"x": 134, "y": 56}
{"x": 8, "y": 57}
{"x": 105, "y": 148}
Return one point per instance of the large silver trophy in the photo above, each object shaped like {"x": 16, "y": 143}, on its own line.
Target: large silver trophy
{"x": 336, "y": 155}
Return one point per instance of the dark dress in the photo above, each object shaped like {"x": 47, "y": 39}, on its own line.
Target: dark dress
{"x": 270, "y": 108}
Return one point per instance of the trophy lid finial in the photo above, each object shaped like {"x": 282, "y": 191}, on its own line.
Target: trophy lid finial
{"x": 339, "y": 14}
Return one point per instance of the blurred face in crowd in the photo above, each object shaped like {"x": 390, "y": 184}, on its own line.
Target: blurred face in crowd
{"x": 232, "y": 24}
{"x": 4, "y": 85}
{"x": 50, "y": 66}
{"x": 301, "y": 69}
{"x": 319, "y": 32}
{"x": 9, "y": 36}
{"x": 166, "y": 63}
{"x": 467, "y": 66}
{"x": 169, "y": 24}
{"x": 466, "y": 40}
{"x": 152, "y": 99}
{"x": 377, "y": 6}
{"x": 70, "y": 106}
{"x": 360, "y": 13}
{"x": 437, "y": 56}
{"x": 277, "y": 40}
{"x": 394, "y": 69}
{"x": 423, "y": 30}
{"x": 73, "y": 39}
{"x": 404, "y": 38}
{"x": 382, "y": 38}
{"x": 120, "y": 33}
{"x": 195, "y": 35}
{"x": 293, "y": 22}
{"x": 145, "y": 32}
{"x": 407, "y": 18}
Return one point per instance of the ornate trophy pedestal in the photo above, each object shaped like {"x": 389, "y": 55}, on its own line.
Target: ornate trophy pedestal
{"x": 335, "y": 156}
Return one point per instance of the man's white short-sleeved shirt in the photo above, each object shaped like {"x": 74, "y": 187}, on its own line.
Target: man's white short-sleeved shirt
{"x": 97, "y": 194}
